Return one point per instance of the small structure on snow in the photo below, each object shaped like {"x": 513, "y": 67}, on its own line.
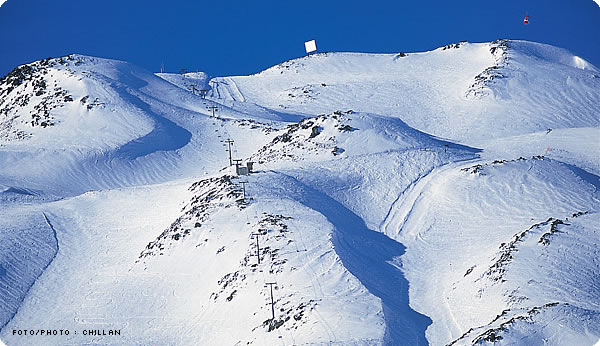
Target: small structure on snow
{"x": 241, "y": 169}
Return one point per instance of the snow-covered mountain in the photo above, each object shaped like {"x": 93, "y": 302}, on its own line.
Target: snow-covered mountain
{"x": 443, "y": 197}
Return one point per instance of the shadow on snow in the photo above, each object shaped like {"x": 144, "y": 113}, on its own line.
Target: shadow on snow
{"x": 369, "y": 255}
{"x": 165, "y": 136}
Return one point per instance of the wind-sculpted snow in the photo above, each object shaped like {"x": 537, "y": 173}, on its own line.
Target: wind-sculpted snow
{"x": 28, "y": 245}
{"x": 508, "y": 271}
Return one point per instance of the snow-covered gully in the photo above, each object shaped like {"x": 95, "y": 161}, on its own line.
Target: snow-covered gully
{"x": 374, "y": 259}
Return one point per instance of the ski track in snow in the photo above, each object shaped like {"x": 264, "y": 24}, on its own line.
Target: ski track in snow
{"x": 401, "y": 208}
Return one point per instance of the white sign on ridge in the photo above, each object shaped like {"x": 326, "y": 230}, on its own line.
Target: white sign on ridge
{"x": 310, "y": 46}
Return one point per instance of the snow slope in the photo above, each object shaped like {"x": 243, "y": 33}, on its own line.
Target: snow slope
{"x": 467, "y": 92}
{"x": 494, "y": 261}
{"x": 119, "y": 126}
{"x": 443, "y": 197}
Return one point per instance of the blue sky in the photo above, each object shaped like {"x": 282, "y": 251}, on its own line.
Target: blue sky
{"x": 244, "y": 37}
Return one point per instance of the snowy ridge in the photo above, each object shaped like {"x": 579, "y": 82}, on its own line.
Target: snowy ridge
{"x": 449, "y": 197}
{"x": 194, "y": 82}
{"x": 427, "y": 90}
{"x": 146, "y": 142}
{"x": 483, "y": 81}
